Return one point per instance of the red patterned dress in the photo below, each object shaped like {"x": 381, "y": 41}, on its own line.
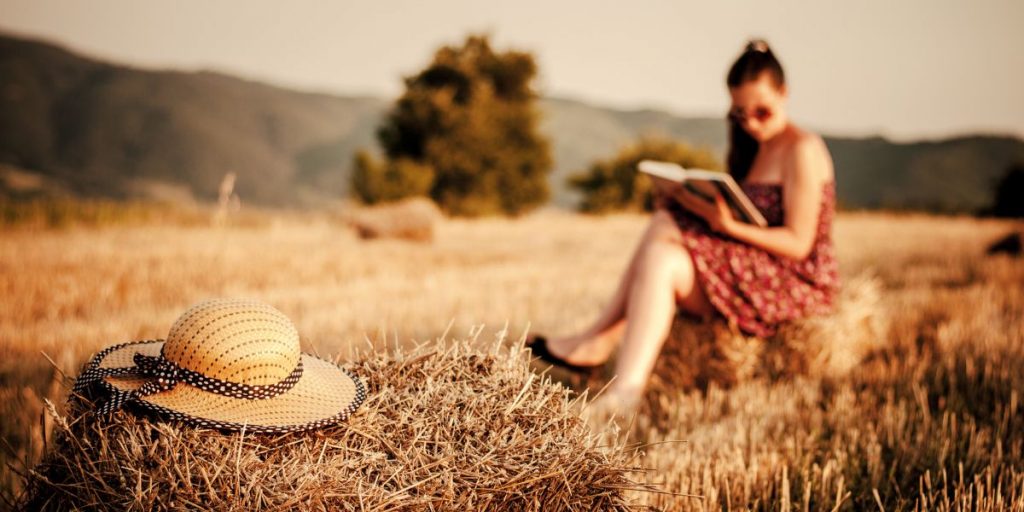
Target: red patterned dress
{"x": 754, "y": 289}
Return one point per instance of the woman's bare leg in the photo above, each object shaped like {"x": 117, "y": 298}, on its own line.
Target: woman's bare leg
{"x": 609, "y": 322}
{"x": 660, "y": 250}
{"x": 594, "y": 343}
{"x": 665, "y": 280}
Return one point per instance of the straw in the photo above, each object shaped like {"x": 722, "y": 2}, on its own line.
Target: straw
{"x": 445, "y": 427}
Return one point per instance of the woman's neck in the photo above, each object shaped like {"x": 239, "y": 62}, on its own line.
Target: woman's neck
{"x": 779, "y": 136}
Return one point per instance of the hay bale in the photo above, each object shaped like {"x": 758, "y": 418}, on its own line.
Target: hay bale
{"x": 445, "y": 427}
{"x": 835, "y": 344}
{"x": 410, "y": 219}
{"x": 700, "y": 353}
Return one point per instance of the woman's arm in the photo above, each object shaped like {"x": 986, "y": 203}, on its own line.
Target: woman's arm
{"x": 801, "y": 200}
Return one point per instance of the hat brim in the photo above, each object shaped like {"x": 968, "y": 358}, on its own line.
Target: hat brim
{"x": 324, "y": 395}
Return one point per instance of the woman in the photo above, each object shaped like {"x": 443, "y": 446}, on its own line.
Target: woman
{"x": 695, "y": 256}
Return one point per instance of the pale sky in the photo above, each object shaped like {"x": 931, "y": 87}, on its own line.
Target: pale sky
{"x": 903, "y": 69}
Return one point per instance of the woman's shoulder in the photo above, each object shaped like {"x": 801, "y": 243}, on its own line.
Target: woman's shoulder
{"x": 800, "y": 139}
{"x": 807, "y": 152}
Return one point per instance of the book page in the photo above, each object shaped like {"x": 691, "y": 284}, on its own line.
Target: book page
{"x": 706, "y": 184}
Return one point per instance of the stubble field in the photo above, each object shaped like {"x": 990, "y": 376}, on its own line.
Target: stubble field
{"x": 932, "y": 421}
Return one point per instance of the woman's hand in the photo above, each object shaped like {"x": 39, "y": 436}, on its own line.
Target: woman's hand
{"x": 718, "y": 214}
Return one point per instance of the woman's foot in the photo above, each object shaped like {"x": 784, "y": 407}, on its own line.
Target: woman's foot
{"x": 538, "y": 345}
{"x": 582, "y": 349}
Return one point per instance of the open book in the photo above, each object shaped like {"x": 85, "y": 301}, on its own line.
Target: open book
{"x": 705, "y": 183}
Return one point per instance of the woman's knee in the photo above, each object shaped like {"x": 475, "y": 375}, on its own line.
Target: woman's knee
{"x": 662, "y": 228}
{"x": 667, "y": 256}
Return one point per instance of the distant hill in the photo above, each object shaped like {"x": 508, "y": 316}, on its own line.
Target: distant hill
{"x": 109, "y": 130}
{"x": 950, "y": 175}
{"x": 71, "y": 124}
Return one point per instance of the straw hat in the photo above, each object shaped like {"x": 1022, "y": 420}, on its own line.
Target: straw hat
{"x": 229, "y": 364}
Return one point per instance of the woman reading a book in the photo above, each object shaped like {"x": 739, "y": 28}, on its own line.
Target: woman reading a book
{"x": 696, "y": 256}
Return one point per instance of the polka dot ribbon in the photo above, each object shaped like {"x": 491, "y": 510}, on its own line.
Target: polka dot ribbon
{"x": 164, "y": 375}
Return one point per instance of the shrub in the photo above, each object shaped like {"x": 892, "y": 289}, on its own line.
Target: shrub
{"x": 1009, "y": 194}
{"x": 615, "y": 184}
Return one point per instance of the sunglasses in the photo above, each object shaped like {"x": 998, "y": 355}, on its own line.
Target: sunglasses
{"x": 760, "y": 113}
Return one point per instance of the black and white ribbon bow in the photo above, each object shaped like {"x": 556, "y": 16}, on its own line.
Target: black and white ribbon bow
{"x": 164, "y": 375}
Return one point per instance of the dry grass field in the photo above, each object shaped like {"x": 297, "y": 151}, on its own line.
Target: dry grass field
{"x": 933, "y": 421}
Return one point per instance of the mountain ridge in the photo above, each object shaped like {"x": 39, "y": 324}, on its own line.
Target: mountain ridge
{"x": 92, "y": 127}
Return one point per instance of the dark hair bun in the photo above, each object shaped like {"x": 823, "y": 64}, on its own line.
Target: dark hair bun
{"x": 758, "y": 45}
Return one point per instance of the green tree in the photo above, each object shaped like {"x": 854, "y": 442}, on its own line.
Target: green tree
{"x": 614, "y": 183}
{"x": 465, "y": 134}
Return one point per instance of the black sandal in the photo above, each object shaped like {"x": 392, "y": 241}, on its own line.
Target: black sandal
{"x": 538, "y": 344}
